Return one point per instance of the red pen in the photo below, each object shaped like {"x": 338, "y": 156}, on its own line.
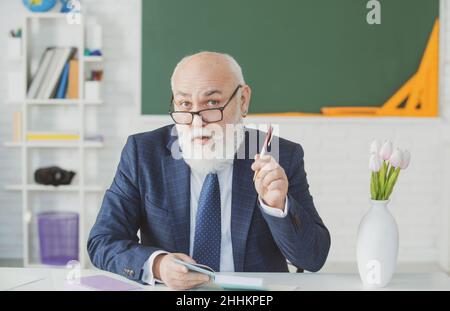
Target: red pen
{"x": 266, "y": 144}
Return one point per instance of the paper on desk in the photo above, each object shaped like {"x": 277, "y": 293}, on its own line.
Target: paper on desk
{"x": 277, "y": 287}
{"x": 271, "y": 287}
{"x": 99, "y": 283}
{"x": 14, "y": 280}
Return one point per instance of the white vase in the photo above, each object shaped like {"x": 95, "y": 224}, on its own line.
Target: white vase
{"x": 377, "y": 245}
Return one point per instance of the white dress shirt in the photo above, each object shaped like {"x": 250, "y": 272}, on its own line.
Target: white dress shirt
{"x": 225, "y": 177}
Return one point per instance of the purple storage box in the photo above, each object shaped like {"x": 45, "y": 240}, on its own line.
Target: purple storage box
{"x": 58, "y": 237}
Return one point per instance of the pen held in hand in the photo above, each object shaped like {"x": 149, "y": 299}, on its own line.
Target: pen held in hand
{"x": 266, "y": 144}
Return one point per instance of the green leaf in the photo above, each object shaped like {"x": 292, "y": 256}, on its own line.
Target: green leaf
{"x": 373, "y": 186}
{"x": 391, "y": 183}
{"x": 382, "y": 180}
{"x": 390, "y": 172}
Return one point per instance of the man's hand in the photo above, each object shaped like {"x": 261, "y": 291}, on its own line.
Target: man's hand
{"x": 174, "y": 275}
{"x": 271, "y": 181}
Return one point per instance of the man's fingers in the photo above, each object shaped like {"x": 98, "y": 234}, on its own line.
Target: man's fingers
{"x": 196, "y": 277}
{"x": 257, "y": 165}
{"x": 185, "y": 284}
{"x": 271, "y": 176}
{"x": 188, "y": 280}
{"x": 176, "y": 276}
{"x": 179, "y": 268}
{"x": 266, "y": 170}
{"x": 260, "y": 177}
{"x": 190, "y": 276}
{"x": 276, "y": 184}
{"x": 264, "y": 157}
{"x": 260, "y": 162}
{"x": 185, "y": 257}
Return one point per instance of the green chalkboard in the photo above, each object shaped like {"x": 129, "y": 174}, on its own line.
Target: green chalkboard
{"x": 297, "y": 55}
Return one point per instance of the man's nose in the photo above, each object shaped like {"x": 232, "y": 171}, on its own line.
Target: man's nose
{"x": 197, "y": 121}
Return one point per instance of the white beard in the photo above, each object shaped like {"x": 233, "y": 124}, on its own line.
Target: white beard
{"x": 218, "y": 153}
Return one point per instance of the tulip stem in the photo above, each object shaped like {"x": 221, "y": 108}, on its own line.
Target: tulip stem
{"x": 382, "y": 180}
{"x": 390, "y": 171}
{"x": 374, "y": 186}
{"x": 391, "y": 183}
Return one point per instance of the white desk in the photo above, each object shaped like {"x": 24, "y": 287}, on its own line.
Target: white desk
{"x": 54, "y": 279}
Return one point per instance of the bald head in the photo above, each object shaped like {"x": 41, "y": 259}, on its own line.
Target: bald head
{"x": 208, "y": 65}
{"x": 210, "y": 80}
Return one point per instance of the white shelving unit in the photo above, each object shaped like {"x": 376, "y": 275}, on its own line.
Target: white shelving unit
{"x": 34, "y": 187}
{"x": 93, "y": 59}
{"x": 50, "y": 144}
{"x": 27, "y": 187}
{"x": 68, "y": 102}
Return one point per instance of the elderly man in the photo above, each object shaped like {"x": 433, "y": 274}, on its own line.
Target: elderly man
{"x": 192, "y": 198}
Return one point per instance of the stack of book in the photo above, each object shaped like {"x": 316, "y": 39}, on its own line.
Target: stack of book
{"x": 51, "y": 136}
{"x": 56, "y": 76}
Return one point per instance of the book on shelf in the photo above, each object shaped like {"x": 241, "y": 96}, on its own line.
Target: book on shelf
{"x": 72, "y": 88}
{"x": 36, "y": 82}
{"x": 46, "y": 136}
{"x": 94, "y": 138}
{"x": 62, "y": 88}
{"x": 52, "y": 74}
{"x": 17, "y": 127}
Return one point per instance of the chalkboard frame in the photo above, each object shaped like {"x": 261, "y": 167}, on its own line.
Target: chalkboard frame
{"x": 163, "y": 117}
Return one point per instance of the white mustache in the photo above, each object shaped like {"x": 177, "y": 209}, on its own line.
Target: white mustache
{"x": 201, "y": 133}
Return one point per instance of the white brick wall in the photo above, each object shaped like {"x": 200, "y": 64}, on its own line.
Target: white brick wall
{"x": 113, "y": 118}
{"x": 336, "y": 150}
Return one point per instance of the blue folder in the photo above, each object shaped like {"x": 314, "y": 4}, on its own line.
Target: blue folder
{"x": 62, "y": 88}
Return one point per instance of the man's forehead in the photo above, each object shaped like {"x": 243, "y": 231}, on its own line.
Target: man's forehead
{"x": 202, "y": 90}
{"x": 199, "y": 73}
{"x": 201, "y": 78}
{"x": 196, "y": 85}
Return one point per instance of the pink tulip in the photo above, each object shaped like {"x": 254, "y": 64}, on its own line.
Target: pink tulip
{"x": 406, "y": 158}
{"x": 375, "y": 147}
{"x": 374, "y": 163}
{"x": 386, "y": 150}
{"x": 396, "y": 158}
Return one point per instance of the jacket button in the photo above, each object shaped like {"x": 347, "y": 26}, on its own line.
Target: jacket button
{"x": 128, "y": 272}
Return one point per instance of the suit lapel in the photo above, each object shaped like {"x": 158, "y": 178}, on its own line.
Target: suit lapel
{"x": 178, "y": 184}
{"x": 242, "y": 206}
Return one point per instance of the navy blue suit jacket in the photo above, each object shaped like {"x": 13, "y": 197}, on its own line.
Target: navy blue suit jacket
{"x": 150, "y": 193}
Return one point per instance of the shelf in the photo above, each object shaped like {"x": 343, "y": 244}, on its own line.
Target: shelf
{"x": 46, "y": 15}
{"x": 14, "y": 102}
{"x": 62, "y": 102}
{"x": 56, "y": 102}
{"x": 56, "y": 144}
{"x": 92, "y": 59}
{"x": 16, "y": 59}
{"x": 42, "y": 188}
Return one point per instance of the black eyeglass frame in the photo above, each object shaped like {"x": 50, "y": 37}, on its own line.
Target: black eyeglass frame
{"x": 193, "y": 113}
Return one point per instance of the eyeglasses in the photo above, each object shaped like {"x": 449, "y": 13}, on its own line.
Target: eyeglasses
{"x": 210, "y": 115}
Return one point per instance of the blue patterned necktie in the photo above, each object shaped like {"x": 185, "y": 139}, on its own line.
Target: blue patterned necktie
{"x": 208, "y": 225}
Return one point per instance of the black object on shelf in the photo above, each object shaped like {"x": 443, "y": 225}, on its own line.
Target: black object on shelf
{"x": 53, "y": 175}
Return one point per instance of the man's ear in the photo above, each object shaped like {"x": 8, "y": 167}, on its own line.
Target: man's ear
{"x": 245, "y": 99}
